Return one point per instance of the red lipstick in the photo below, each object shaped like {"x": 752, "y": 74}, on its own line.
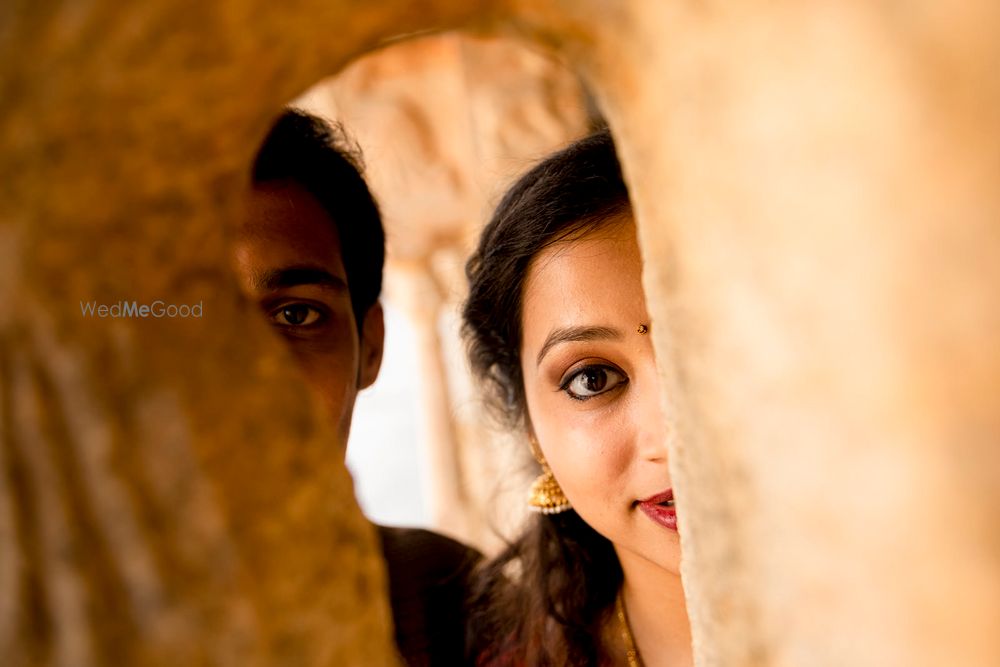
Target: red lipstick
{"x": 660, "y": 508}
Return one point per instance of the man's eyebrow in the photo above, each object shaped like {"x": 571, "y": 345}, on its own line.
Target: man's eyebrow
{"x": 576, "y": 334}
{"x": 292, "y": 276}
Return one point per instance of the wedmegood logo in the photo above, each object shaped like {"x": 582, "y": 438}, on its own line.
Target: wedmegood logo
{"x": 134, "y": 309}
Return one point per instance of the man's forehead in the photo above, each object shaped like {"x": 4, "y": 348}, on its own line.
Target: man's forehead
{"x": 285, "y": 230}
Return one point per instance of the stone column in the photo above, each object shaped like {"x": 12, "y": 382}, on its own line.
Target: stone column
{"x": 415, "y": 288}
{"x": 816, "y": 191}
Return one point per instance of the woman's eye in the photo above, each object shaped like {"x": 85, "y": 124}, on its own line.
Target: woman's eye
{"x": 592, "y": 381}
{"x": 295, "y": 315}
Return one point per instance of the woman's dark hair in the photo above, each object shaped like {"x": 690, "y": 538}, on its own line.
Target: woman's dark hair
{"x": 306, "y": 150}
{"x": 545, "y": 599}
{"x": 571, "y": 192}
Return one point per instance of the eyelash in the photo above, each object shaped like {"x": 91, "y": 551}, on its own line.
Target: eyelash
{"x": 276, "y": 312}
{"x": 567, "y": 381}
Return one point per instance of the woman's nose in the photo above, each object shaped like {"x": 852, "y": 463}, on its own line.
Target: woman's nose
{"x": 653, "y": 429}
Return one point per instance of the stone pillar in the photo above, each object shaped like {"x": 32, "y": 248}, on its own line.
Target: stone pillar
{"x": 168, "y": 493}
{"x": 416, "y": 288}
{"x": 816, "y": 189}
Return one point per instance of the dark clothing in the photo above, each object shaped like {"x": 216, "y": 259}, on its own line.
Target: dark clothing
{"x": 428, "y": 585}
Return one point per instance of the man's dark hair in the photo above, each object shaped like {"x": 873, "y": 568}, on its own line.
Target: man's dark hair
{"x": 306, "y": 150}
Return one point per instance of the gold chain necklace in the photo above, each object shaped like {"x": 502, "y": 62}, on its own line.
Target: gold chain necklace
{"x": 631, "y": 652}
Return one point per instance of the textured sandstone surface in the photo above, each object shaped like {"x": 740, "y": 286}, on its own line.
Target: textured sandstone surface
{"x": 817, "y": 195}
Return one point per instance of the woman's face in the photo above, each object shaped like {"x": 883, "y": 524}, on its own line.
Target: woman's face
{"x": 593, "y": 392}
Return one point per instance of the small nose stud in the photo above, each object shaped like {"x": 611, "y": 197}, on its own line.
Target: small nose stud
{"x": 642, "y": 329}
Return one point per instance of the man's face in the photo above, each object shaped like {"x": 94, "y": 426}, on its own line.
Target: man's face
{"x": 288, "y": 257}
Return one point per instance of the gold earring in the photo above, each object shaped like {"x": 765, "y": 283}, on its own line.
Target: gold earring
{"x": 546, "y": 496}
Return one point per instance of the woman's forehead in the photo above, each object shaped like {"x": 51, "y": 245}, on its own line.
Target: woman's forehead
{"x": 596, "y": 276}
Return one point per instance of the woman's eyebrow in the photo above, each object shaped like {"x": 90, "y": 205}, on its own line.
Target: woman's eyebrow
{"x": 297, "y": 275}
{"x": 576, "y": 334}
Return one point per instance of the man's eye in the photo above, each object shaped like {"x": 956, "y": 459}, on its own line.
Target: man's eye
{"x": 593, "y": 381}
{"x": 296, "y": 315}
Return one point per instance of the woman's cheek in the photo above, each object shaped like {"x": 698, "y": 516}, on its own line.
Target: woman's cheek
{"x": 583, "y": 467}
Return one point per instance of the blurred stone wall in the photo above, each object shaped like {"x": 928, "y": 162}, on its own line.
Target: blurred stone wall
{"x": 816, "y": 187}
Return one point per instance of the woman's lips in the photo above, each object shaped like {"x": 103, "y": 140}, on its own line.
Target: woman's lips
{"x": 660, "y": 508}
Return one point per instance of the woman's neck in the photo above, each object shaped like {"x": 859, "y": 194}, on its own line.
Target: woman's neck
{"x": 656, "y": 612}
